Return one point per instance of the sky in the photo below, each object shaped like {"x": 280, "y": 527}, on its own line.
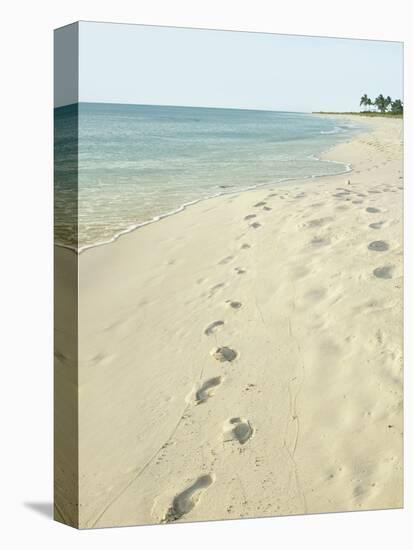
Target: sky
{"x": 150, "y": 65}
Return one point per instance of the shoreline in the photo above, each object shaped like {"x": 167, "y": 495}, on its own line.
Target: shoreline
{"x": 184, "y": 206}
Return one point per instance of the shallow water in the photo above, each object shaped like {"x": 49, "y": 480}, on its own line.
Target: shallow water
{"x": 137, "y": 163}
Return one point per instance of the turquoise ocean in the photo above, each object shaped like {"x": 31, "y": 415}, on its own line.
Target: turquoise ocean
{"x": 134, "y": 164}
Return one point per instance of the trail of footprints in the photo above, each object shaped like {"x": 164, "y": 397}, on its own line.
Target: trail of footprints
{"x": 385, "y": 271}
{"x": 237, "y": 429}
{"x": 343, "y": 194}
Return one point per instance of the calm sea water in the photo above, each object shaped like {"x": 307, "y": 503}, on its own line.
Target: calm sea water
{"x": 138, "y": 163}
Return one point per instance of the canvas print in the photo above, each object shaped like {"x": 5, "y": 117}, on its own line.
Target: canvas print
{"x": 228, "y": 275}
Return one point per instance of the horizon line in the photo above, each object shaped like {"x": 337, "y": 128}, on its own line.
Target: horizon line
{"x": 181, "y": 106}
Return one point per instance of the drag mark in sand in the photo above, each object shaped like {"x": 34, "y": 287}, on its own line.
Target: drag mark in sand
{"x": 293, "y": 429}
{"x": 292, "y": 426}
{"x": 144, "y": 467}
{"x": 222, "y": 354}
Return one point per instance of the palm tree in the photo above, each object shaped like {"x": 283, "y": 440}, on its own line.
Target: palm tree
{"x": 369, "y": 104}
{"x": 397, "y": 106}
{"x": 380, "y": 103}
{"x": 387, "y": 102}
{"x": 364, "y": 100}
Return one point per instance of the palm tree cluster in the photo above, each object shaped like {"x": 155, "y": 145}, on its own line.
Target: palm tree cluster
{"x": 383, "y": 104}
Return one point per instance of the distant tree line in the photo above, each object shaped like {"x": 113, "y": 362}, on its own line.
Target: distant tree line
{"x": 383, "y": 104}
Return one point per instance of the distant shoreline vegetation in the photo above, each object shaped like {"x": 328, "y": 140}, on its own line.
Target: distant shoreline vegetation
{"x": 382, "y": 106}
{"x": 360, "y": 113}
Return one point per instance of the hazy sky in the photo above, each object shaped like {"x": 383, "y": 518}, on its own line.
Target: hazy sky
{"x": 171, "y": 66}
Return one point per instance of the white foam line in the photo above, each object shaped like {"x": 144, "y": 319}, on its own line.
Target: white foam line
{"x": 348, "y": 168}
{"x": 162, "y": 216}
{"x": 346, "y": 164}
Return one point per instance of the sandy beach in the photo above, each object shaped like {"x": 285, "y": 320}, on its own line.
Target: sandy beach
{"x": 243, "y": 358}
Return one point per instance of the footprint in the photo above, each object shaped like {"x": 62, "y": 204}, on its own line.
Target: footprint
{"x": 245, "y": 245}
{"x": 237, "y": 429}
{"x": 224, "y": 354}
{"x": 255, "y": 225}
{"x": 233, "y": 304}
{"x": 186, "y": 501}
{"x": 267, "y": 208}
{"x": 315, "y": 294}
{"x": 261, "y": 203}
{"x": 319, "y": 241}
{"x": 384, "y": 272}
{"x": 205, "y": 391}
{"x": 378, "y": 246}
{"x": 250, "y": 216}
{"x": 300, "y": 272}
{"x": 226, "y": 260}
{"x": 373, "y": 210}
{"x": 240, "y": 270}
{"x": 376, "y": 225}
{"x": 215, "y": 288}
{"x": 319, "y": 222}
{"x": 211, "y": 328}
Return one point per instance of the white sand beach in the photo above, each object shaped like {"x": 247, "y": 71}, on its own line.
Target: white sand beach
{"x": 243, "y": 358}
